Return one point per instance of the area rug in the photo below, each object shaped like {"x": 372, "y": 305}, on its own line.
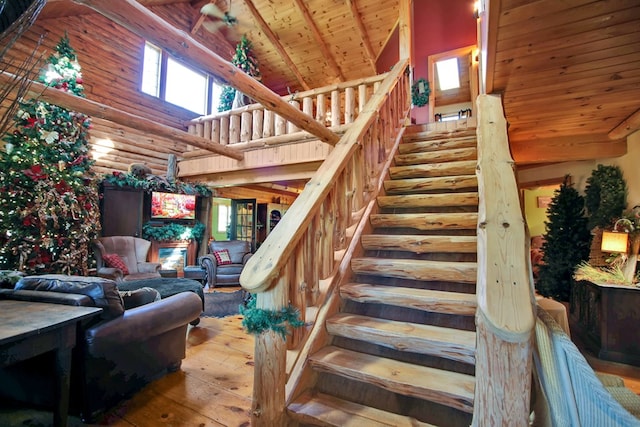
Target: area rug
{"x": 222, "y": 304}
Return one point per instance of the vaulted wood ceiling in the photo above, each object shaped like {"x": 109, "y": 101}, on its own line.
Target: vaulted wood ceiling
{"x": 569, "y": 74}
{"x": 568, "y": 71}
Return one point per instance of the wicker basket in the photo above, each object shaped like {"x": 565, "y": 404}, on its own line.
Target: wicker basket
{"x": 597, "y": 258}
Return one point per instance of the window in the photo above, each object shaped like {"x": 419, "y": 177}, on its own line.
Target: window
{"x": 447, "y": 72}
{"x": 224, "y": 218}
{"x": 166, "y": 78}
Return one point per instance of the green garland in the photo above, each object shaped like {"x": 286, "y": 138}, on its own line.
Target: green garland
{"x": 156, "y": 183}
{"x": 420, "y": 99}
{"x": 257, "y": 321}
{"x": 173, "y": 232}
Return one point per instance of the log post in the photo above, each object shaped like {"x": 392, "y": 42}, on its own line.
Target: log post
{"x": 224, "y": 130}
{"x": 335, "y": 108}
{"x": 257, "y": 127}
{"x": 281, "y": 125}
{"x": 268, "y": 125}
{"x": 321, "y": 108}
{"x": 234, "y": 129}
{"x": 270, "y": 356}
{"x": 307, "y": 105}
{"x": 291, "y": 127}
{"x": 215, "y": 131}
{"x": 349, "y": 105}
{"x": 246, "y": 126}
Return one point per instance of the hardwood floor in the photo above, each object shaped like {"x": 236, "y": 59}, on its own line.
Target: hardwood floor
{"x": 214, "y": 386}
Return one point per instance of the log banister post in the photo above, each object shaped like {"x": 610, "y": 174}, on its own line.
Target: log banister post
{"x": 505, "y": 317}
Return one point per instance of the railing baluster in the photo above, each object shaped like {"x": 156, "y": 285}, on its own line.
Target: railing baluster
{"x": 335, "y": 108}
{"x": 246, "y": 126}
{"x": 321, "y": 108}
{"x": 215, "y": 131}
{"x": 224, "y": 130}
{"x": 257, "y": 124}
{"x": 349, "y": 105}
{"x": 268, "y": 126}
{"x": 234, "y": 129}
{"x": 291, "y": 128}
{"x": 281, "y": 125}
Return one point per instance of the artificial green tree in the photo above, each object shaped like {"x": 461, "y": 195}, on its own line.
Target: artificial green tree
{"x": 567, "y": 242}
{"x": 48, "y": 194}
{"x": 245, "y": 59}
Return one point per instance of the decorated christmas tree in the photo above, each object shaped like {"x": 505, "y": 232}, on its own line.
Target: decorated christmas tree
{"x": 48, "y": 194}
{"x": 245, "y": 59}
{"x": 567, "y": 242}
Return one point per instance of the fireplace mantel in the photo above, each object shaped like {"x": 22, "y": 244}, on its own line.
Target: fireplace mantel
{"x": 174, "y": 254}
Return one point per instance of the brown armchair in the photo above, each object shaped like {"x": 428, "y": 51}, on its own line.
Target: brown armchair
{"x": 133, "y": 251}
{"x": 225, "y": 273}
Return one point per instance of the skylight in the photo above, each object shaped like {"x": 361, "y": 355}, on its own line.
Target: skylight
{"x": 447, "y": 72}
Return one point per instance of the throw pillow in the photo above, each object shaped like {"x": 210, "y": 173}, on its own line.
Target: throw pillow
{"x": 222, "y": 257}
{"x": 114, "y": 261}
{"x": 139, "y": 297}
{"x": 103, "y": 292}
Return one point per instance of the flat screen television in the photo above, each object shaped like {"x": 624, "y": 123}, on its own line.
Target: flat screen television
{"x": 172, "y": 206}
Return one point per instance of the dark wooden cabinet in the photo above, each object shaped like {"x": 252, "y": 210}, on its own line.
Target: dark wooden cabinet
{"x": 607, "y": 319}
{"x": 122, "y": 211}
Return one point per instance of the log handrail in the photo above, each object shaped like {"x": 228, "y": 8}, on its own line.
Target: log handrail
{"x": 335, "y": 106}
{"x": 301, "y": 250}
{"x": 505, "y": 317}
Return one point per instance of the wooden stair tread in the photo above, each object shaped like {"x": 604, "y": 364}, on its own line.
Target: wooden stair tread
{"x": 412, "y": 134}
{"x": 417, "y": 269}
{"x": 413, "y": 185}
{"x": 427, "y": 221}
{"x": 447, "y": 388}
{"x": 419, "y": 243}
{"x": 418, "y": 299}
{"x": 428, "y": 200}
{"x": 463, "y": 167}
{"x": 448, "y": 343}
{"x": 441, "y": 156}
{"x": 325, "y": 410}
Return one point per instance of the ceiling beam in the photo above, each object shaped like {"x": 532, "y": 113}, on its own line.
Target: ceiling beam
{"x": 326, "y": 53}
{"x": 143, "y": 22}
{"x": 94, "y": 109}
{"x": 627, "y": 127}
{"x": 357, "y": 18}
{"x": 270, "y": 190}
{"x": 275, "y": 40}
{"x": 292, "y": 172}
{"x": 567, "y": 149}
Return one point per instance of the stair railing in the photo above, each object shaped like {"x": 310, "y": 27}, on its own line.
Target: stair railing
{"x": 505, "y": 318}
{"x": 335, "y": 106}
{"x": 303, "y": 249}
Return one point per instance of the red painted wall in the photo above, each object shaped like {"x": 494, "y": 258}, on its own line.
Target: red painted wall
{"x": 438, "y": 26}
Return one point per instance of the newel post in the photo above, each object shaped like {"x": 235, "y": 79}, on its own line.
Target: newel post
{"x": 269, "y": 378}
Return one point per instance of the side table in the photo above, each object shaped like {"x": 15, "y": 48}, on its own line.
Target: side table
{"x": 33, "y": 328}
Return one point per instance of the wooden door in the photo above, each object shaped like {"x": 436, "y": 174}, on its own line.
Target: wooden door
{"x": 122, "y": 211}
{"x": 243, "y": 220}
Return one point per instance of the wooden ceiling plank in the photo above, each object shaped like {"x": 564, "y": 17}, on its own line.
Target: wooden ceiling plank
{"x": 567, "y": 149}
{"x": 321, "y": 43}
{"x": 536, "y": 10}
{"x": 627, "y": 127}
{"x": 357, "y": 18}
{"x": 94, "y": 109}
{"x": 275, "y": 41}
{"x": 598, "y": 11}
{"x": 134, "y": 17}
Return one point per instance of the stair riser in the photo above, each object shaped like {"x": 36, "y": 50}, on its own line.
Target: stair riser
{"x": 424, "y": 185}
{"x": 420, "y": 244}
{"x": 434, "y": 170}
{"x": 429, "y": 200}
{"x": 425, "y": 222}
{"x": 436, "y": 157}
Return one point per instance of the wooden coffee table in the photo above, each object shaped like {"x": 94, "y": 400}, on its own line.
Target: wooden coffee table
{"x": 32, "y": 328}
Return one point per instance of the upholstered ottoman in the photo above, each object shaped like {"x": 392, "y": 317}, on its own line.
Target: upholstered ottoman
{"x": 166, "y": 287}
{"x": 196, "y": 272}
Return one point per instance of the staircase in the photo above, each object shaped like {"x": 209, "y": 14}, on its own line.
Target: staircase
{"x": 403, "y": 343}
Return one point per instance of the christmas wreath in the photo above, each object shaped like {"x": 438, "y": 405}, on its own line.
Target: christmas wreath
{"x": 420, "y": 92}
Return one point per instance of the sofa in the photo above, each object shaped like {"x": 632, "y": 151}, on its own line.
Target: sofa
{"x": 124, "y": 258}
{"x": 225, "y": 261}
{"x": 116, "y": 354}
{"x": 567, "y": 390}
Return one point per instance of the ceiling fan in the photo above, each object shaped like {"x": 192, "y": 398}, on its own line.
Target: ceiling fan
{"x": 219, "y": 19}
